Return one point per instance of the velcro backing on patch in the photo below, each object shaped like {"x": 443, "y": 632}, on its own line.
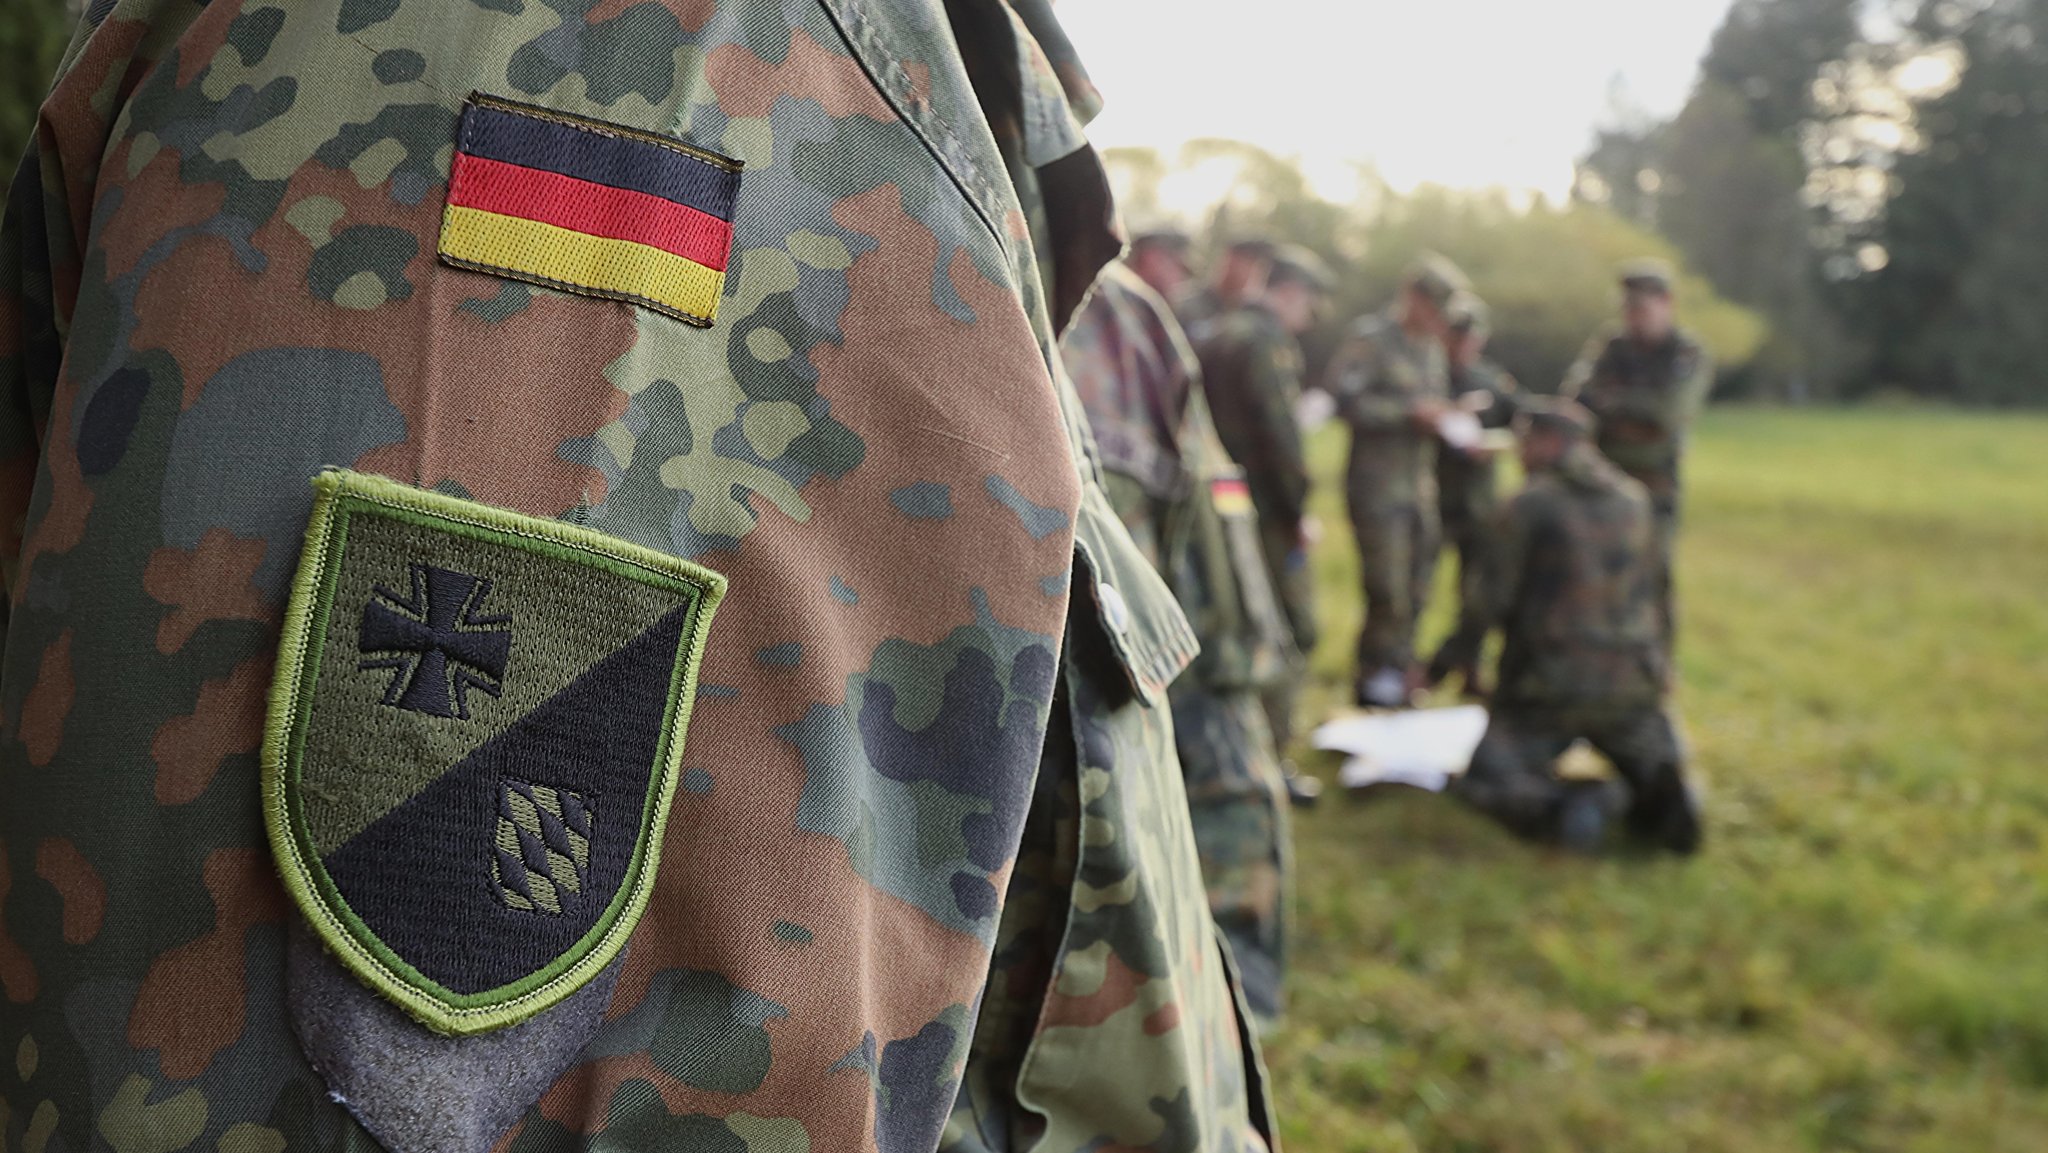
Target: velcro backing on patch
{"x": 589, "y": 207}
{"x": 475, "y": 732}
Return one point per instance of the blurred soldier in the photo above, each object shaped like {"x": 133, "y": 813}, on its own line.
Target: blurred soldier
{"x": 1239, "y": 278}
{"x": 1390, "y": 384}
{"x": 1187, "y": 507}
{"x": 1468, "y": 495}
{"x": 1573, "y": 588}
{"x": 1160, "y": 258}
{"x": 494, "y": 845}
{"x": 1251, "y": 370}
{"x": 1645, "y": 385}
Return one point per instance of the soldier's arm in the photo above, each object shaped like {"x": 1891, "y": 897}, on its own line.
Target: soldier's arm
{"x": 1283, "y": 474}
{"x": 1689, "y": 395}
{"x": 1195, "y": 430}
{"x": 857, "y": 541}
{"x": 1578, "y": 379}
{"x": 1499, "y": 390}
{"x": 1507, "y": 560}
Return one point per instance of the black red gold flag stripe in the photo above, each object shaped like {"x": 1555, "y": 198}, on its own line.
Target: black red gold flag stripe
{"x": 589, "y": 207}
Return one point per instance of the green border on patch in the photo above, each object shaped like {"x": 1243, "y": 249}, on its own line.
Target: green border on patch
{"x": 338, "y": 496}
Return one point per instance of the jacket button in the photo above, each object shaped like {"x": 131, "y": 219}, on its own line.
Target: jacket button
{"x": 1115, "y": 609}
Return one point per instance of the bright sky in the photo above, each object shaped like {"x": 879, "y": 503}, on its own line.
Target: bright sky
{"x": 1468, "y": 93}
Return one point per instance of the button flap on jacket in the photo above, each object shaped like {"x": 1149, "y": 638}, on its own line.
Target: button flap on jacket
{"x": 1136, "y": 611}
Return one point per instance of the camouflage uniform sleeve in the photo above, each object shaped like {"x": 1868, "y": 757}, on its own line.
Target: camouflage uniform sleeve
{"x": 1580, "y": 375}
{"x": 1358, "y": 379}
{"x": 1691, "y": 390}
{"x": 1218, "y": 572}
{"x": 867, "y": 444}
{"x": 1507, "y": 392}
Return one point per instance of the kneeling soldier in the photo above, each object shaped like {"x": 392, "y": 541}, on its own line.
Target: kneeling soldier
{"x": 1573, "y": 586}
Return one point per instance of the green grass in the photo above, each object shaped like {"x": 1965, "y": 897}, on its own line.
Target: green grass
{"x": 1859, "y": 961}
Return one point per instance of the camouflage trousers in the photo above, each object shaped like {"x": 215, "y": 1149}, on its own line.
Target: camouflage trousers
{"x": 1293, "y": 583}
{"x": 1238, "y": 801}
{"x": 1513, "y": 775}
{"x": 1397, "y": 553}
{"x": 1667, "y": 558}
{"x": 1664, "y": 505}
{"x": 1469, "y": 536}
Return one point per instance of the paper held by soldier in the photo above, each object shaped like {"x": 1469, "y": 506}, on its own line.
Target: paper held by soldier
{"x": 1424, "y": 748}
{"x": 1460, "y": 430}
{"x": 1314, "y": 409}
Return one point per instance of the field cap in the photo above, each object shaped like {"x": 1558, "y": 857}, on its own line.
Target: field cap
{"x": 1434, "y": 276}
{"x": 1467, "y": 313}
{"x": 1171, "y": 237}
{"x": 1649, "y": 275}
{"x": 1293, "y": 264}
{"x": 1553, "y": 414}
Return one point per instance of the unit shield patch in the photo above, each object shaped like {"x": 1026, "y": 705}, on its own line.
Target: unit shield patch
{"x": 475, "y": 732}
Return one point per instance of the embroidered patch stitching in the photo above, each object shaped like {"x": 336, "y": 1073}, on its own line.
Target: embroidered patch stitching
{"x": 542, "y": 846}
{"x": 583, "y": 206}
{"x": 339, "y": 496}
{"x": 435, "y": 643}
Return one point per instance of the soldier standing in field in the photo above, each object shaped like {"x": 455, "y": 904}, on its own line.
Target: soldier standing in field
{"x": 1187, "y": 506}
{"x": 1467, "y": 479}
{"x": 1644, "y": 385}
{"x": 1251, "y": 371}
{"x": 1573, "y": 587}
{"x": 1390, "y": 384}
{"x": 1239, "y": 278}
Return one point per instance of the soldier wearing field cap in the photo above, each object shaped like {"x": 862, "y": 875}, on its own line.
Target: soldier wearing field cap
{"x": 1240, "y": 276}
{"x": 1467, "y": 479}
{"x": 1391, "y": 386}
{"x": 1572, "y": 585}
{"x": 1644, "y": 385}
{"x": 1251, "y": 370}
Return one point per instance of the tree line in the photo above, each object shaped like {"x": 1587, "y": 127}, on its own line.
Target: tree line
{"x": 1872, "y": 179}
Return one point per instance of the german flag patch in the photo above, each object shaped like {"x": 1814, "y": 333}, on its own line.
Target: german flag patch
{"x": 589, "y": 207}
{"x": 1230, "y": 496}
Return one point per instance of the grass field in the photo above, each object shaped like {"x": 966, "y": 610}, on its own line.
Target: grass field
{"x": 1859, "y": 961}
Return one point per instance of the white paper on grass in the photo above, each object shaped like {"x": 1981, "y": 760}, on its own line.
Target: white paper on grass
{"x": 1424, "y": 748}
